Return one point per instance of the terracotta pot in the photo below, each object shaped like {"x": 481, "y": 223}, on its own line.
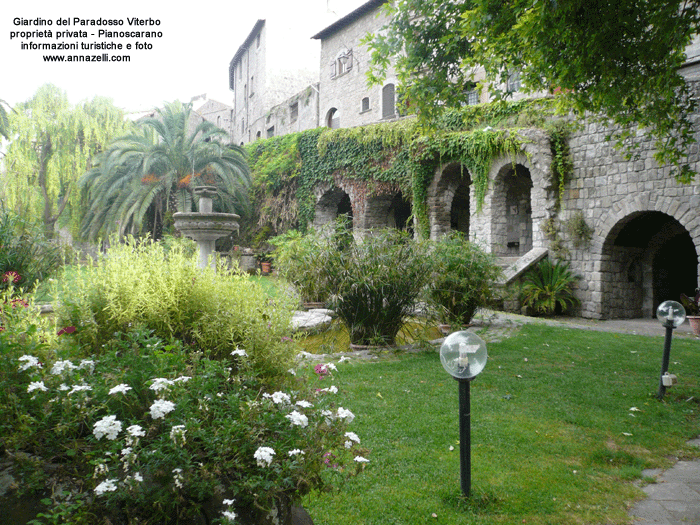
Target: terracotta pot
{"x": 694, "y": 321}
{"x": 266, "y": 267}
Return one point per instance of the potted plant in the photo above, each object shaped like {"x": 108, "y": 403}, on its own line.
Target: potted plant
{"x": 265, "y": 260}
{"x": 692, "y": 310}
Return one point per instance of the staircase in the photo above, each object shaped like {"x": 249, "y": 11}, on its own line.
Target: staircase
{"x": 514, "y": 267}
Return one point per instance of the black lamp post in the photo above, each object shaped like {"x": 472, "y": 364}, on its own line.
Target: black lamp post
{"x": 671, "y": 314}
{"x": 463, "y": 356}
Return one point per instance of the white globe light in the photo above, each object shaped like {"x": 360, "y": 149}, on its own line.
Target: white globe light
{"x": 463, "y": 355}
{"x": 671, "y": 311}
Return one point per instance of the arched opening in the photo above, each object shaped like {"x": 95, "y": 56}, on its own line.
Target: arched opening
{"x": 331, "y": 205}
{"x": 448, "y": 200}
{"x": 400, "y": 213}
{"x": 512, "y": 211}
{"x": 333, "y": 118}
{"x": 648, "y": 258}
{"x": 459, "y": 210}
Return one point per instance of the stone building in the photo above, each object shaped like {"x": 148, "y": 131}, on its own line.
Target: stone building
{"x": 217, "y": 113}
{"x": 270, "y": 95}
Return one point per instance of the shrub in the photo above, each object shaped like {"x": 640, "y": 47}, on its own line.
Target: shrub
{"x": 549, "y": 288}
{"x": 297, "y": 258}
{"x": 137, "y": 284}
{"x": 150, "y": 433}
{"x": 374, "y": 283}
{"x": 463, "y": 278}
{"x": 26, "y": 256}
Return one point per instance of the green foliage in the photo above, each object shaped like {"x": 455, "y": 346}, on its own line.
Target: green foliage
{"x": 25, "y": 252}
{"x": 55, "y": 144}
{"x": 137, "y": 284}
{"x": 297, "y": 259}
{"x": 151, "y": 433}
{"x": 143, "y": 176}
{"x": 375, "y": 283}
{"x": 579, "y": 230}
{"x": 691, "y": 304}
{"x": 4, "y": 120}
{"x": 548, "y": 288}
{"x": 616, "y": 62}
{"x": 463, "y": 278}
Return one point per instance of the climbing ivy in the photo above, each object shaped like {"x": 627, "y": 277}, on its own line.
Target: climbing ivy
{"x": 390, "y": 157}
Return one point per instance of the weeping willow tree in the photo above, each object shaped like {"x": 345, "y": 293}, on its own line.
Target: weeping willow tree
{"x": 51, "y": 145}
{"x": 144, "y": 177}
{"x": 4, "y": 120}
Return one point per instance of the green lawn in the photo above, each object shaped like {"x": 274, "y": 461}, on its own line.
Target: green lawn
{"x": 554, "y": 436}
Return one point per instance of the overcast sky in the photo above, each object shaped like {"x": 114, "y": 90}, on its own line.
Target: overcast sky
{"x": 191, "y": 58}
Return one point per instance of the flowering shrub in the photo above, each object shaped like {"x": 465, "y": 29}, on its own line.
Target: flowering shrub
{"x": 147, "y": 432}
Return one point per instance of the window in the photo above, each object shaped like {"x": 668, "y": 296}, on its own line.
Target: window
{"x": 218, "y": 121}
{"x": 257, "y": 135}
{"x": 252, "y": 86}
{"x": 242, "y": 125}
{"x": 513, "y": 82}
{"x": 471, "y": 94}
{"x": 271, "y": 132}
{"x": 365, "y": 104}
{"x": 388, "y": 101}
{"x": 294, "y": 112}
{"x": 257, "y": 41}
{"x": 333, "y": 118}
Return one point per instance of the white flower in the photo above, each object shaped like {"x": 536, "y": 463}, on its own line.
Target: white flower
{"x": 120, "y": 389}
{"x": 343, "y": 358}
{"x": 303, "y": 404}
{"x": 177, "y": 478}
{"x": 298, "y": 419}
{"x": 109, "y": 485}
{"x": 360, "y": 459}
{"x": 292, "y": 371}
{"x": 160, "y": 407}
{"x": 280, "y": 398}
{"x": 138, "y": 476}
{"x": 160, "y": 383}
{"x": 344, "y": 413}
{"x": 80, "y": 388}
{"x": 177, "y": 434}
{"x": 29, "y": 362}
{"x": 634, "y": 409}
{"x": 36, "y": 385}
{"x": 228, "y": 501}
{"x": 332, "y": 389}
{"x": 264, "y": 456}
{"x": 108, "y": 426}
{"x": 239, "y": 352}
{"x": 136, "y": 431}
{"x": 87, "y": 364}
{"x": 61, "y": 366}
{"x": 295, "y": 452}
{"x": 331, "y": 366}
{"x": 351, "y": 437}
{"x": 229, "y": 515}
{"x": 181, "y": 379}
{"x": 330, "y": 416}
{"x": 63, "y": 387}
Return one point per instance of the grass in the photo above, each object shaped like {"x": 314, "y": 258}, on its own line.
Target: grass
{"x": 553, "y": 436}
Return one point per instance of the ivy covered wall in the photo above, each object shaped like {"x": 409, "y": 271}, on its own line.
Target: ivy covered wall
{"x": 397, "y": 156}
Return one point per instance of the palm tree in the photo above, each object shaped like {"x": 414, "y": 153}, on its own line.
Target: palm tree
{"x": 146, "y": 176}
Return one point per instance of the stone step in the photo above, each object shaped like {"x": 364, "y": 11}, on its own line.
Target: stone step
{"x": 515, "y": 269}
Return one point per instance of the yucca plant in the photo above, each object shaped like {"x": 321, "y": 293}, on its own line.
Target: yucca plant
{"x": 549, "y": 288}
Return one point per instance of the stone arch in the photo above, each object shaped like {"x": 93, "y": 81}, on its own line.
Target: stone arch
{"x": 647, "y": 253}
{"x": 331, "y": 202}
{"x": 388, "y": 209}
{"x": 448, "y": 200}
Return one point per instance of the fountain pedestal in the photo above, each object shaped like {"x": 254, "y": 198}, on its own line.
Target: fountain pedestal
{"x": 205, "y": 226}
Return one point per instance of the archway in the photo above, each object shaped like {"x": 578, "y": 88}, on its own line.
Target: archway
{"x": 648, "y": 257}
{"x": 448, "y": 200}
{"x": 511, "y": 217}
{"x": 331, "y": 205}
{"x": 399, "y": 213}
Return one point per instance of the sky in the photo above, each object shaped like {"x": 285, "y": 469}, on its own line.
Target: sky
{"x": 191, "y": 57}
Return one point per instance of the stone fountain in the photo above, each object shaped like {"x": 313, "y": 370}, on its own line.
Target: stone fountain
{"x": 205, "y": 226}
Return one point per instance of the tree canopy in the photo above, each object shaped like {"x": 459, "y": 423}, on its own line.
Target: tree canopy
{"x": 617, "y": 61}
{"x": 143, "y": 177}
{"x": 51, "y": 145}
